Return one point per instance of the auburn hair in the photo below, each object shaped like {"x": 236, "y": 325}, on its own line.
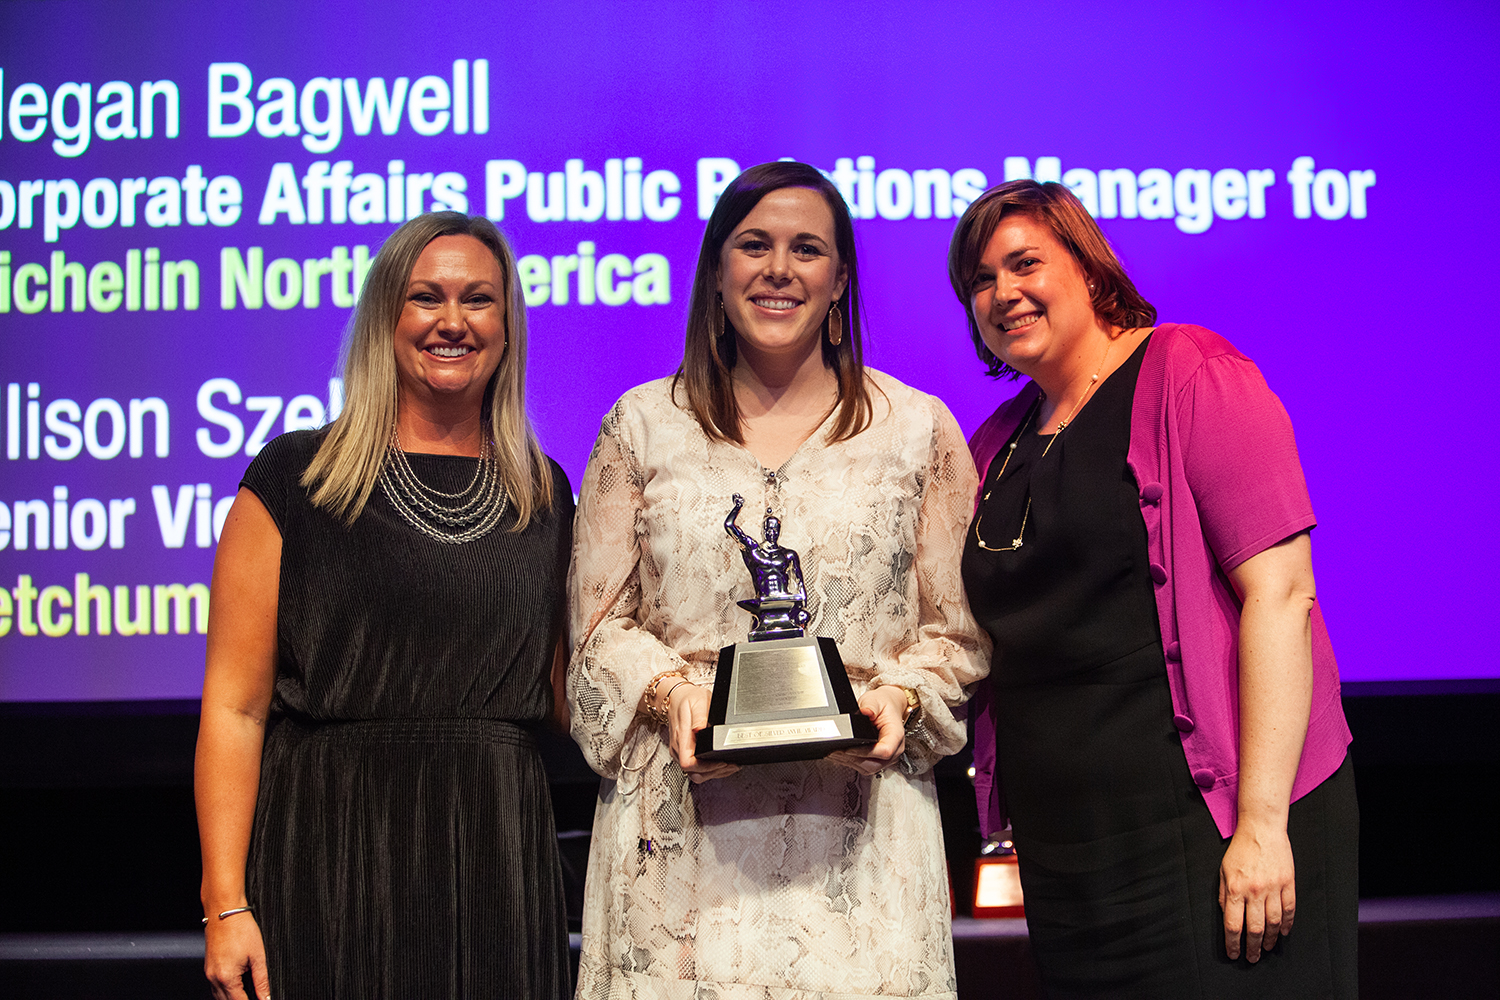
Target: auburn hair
{"x": 1115, "y": 299}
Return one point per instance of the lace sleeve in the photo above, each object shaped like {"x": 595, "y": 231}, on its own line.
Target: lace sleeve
{"x": 949, "y": 652}
{"x": 613, "y": 657}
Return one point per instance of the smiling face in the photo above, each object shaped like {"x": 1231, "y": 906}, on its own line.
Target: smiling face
{"x": 1030, "y": 299}
{"x": 779, "y": 273}
{"x": 450, "y": 336}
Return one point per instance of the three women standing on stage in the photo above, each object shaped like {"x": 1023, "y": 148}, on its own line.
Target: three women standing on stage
{"x": 1162, "y": 726}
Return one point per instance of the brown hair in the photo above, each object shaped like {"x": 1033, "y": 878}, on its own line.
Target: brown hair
{"x": 1114, "y": 299}
{"x": 347, "y": 464}
{"x": 710, "y": 352}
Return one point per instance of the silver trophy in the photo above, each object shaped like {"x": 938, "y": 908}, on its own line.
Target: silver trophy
{"x": 782, "y": 695}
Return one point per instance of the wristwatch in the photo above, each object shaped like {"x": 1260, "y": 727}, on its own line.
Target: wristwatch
{"x": 913, "y": 708}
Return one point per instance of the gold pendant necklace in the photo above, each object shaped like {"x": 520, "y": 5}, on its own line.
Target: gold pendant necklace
{"x": 1036, "y": 408}
{"x": 1010, "y": 450}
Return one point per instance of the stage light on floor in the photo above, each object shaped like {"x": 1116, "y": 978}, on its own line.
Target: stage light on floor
{"x": 997, "y": 879}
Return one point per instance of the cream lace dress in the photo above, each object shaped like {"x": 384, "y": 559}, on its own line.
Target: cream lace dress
{"x": 782, "y": 881}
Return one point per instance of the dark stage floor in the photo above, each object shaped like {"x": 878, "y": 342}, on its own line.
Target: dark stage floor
{"x": 1444, "y": 947}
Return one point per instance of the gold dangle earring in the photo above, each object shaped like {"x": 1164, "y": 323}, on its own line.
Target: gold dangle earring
{"x": 835, "y": 324}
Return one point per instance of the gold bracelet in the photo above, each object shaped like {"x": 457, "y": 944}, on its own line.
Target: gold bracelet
{"x": 660, "y": 714}
{"x": 648, "y": 700}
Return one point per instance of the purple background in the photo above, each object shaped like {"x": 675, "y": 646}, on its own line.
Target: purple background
{"x": 1374, "y": 332}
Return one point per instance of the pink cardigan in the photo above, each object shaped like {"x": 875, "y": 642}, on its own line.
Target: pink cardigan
{"x": 1212, "y": 449}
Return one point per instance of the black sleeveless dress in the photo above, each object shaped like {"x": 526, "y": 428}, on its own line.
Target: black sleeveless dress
{"x": 403, "y": 842}
{"x": 1119, "y": 853}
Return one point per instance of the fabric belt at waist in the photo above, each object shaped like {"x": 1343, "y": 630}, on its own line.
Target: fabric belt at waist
{"x": 416, "y": 730}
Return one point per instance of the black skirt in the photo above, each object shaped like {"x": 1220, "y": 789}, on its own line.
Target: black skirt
{"x": 1120, "y": 855}
{"x": 407, "y": 858}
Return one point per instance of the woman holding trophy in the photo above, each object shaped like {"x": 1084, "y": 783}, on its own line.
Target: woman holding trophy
{"x": 812, "y": 875}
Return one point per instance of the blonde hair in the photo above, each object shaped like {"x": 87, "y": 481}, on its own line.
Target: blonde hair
{"x": 343, "y": 473}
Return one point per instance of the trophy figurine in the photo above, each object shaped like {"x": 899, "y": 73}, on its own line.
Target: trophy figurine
{"x": 781, "y": 695}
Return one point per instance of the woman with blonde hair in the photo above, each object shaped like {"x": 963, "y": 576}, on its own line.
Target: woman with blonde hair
{"x": 385, "y": 624}
{"x": 775, "y": 880}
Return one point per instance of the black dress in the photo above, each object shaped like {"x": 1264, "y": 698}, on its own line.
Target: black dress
{"x": 1119, "y": 853}
{"x": 403, "y": 842}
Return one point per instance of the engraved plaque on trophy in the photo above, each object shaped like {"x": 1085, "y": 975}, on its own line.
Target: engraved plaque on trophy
{"x": 782, "y": 695}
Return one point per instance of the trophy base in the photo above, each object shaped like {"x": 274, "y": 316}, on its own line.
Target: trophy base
{"x": 782, "y": 700}
{"x": 773, "y": 742}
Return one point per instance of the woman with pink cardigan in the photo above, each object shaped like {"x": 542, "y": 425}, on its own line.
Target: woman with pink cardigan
{"x": 1162, "y": 725}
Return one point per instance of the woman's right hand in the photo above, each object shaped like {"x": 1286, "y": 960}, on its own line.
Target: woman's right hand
{"x": 687, "y": 713}
{"x": 239, "y": 676}
{"x": 233, "y": 947}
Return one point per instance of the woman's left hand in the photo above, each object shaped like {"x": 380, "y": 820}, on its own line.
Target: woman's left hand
{"x": 886, "y": 707}
{"x": 1257, "y": 890}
